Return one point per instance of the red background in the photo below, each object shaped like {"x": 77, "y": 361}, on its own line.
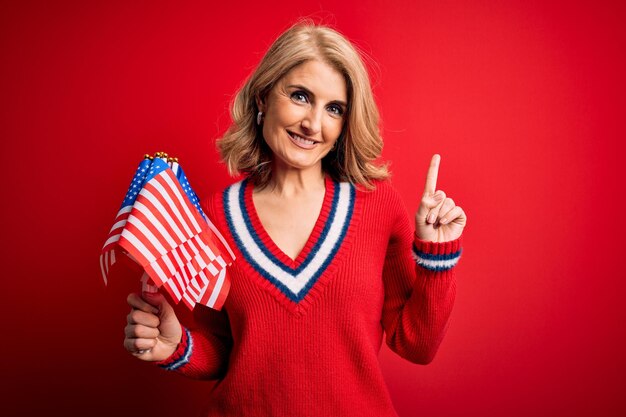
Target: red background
{"x": 524, "y": 100}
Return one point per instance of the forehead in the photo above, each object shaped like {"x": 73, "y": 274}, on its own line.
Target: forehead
{"x": 320, "y": 78}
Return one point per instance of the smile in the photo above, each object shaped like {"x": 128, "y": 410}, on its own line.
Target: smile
{"x": 301, "y": 142}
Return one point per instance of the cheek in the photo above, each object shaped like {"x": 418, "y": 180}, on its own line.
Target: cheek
{"x": 333, "y": 129}
{"x": 287, "y": 114}
{"x": 273, "y": 124}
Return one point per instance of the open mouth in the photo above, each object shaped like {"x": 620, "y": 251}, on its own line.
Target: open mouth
{"x": 300, "y": 140}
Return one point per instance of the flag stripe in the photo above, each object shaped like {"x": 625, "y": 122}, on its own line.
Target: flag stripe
{"x": 175, "y": 187}
{"x": 177, "y": 278}
{"x": 137, "y": 245}
{"x": 102, "y": 270}
{"x": 188, "y": 301}
{"x": 174, "y": 205}
{"x": 162, "y": 227}
{"x": 173, "y": 289}
{"x": 111, "y": 241}
{"x": 153, "y": 244}
{"x": 120, "y": 223}
{"x": 166, "y": 217}
{"x": 150, "y": 218}
{"x": 222, "y": 240}
{"x": 120, "y": 217}
{"x": 152, "y": 194}
{"x": 156, "y": 273}
{"x": 219, "y": 296}
{"x": 208, "y": 293}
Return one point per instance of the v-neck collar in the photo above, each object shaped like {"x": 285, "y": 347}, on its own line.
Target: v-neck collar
{"x": 294, "y": 278}
{"x": 268, "y": 243}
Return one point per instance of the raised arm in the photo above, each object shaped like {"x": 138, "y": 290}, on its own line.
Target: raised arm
{"x": 419, "y": 277}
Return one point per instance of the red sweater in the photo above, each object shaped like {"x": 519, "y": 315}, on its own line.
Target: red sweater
{"x": 301, "y": 338}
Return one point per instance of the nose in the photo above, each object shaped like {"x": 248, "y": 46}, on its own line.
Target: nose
{"x": 312, "y": 121}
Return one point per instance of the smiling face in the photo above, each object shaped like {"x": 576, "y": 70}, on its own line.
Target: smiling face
{"x": 303, "y": 115}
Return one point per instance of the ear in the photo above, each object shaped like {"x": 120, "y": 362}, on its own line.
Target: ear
{"x": 260, "y": 103}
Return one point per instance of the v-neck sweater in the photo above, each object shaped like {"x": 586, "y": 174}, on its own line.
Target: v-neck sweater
{"x": 301, "y": 337}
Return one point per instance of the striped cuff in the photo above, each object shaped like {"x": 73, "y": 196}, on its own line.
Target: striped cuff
{"x": 182, "y": 354}
{"x": 437, "y": 256}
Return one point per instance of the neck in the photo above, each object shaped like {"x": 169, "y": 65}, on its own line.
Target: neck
{"x": 288, "y": 181}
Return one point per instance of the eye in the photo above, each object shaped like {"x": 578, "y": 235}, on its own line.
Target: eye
{"x": 300, "y": 96}
{"x": 335, "y": 109}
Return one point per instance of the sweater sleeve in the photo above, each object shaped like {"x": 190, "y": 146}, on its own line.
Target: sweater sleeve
{"x": 420, "y": 288}
{"x": 203, "y": 351}
{"x": 204, "y": 348}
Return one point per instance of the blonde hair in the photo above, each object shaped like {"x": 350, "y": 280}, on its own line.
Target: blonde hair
{"x": 243, "y": 149}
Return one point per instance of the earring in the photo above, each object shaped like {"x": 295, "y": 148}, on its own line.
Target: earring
{"x": 259, "y": 117}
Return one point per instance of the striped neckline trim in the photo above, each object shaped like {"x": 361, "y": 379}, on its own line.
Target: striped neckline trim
{"x": 295, "y": 280}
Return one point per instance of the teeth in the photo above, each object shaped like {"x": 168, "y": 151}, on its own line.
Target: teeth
{"x": 302, "y": 140}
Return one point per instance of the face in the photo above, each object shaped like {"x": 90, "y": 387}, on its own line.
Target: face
{"x": 303, "y": 115}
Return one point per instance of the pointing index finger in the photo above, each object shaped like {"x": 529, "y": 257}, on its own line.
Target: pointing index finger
{"x": 431, "y": 176}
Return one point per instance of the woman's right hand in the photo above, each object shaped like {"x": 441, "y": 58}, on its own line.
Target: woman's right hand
{"x": 153, "y": 331}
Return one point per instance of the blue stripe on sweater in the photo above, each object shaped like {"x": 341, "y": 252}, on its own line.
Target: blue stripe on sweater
{"x": 267, "y": 252}
{"x": 184, "y": 359}
{"x": 293, "y": 272}
{"x": 434, "y": 262}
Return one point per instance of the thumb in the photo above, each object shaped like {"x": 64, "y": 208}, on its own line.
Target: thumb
{"x": 428, "y": 203}
{"x": 169, "y": 325}
{"x": 157, "y": 300}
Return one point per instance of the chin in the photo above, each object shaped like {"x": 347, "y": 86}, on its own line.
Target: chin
{"x": 302, "y": 164}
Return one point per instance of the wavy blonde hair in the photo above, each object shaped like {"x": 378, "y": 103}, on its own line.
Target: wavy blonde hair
{"x": 243, "y": 149}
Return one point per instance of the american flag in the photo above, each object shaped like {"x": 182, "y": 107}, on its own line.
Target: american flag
{"x": 163, "y": 228}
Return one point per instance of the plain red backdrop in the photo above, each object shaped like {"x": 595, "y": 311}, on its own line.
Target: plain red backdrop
{"x": 524, "y": 100}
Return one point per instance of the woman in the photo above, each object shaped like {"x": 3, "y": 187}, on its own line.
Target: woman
{"x": 327, "y": 258}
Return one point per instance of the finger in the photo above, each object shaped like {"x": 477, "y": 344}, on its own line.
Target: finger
{"x": 137, "y": 331}
{"x": 158, "y": 301}
{"x": 455, "y": 214}
{"x": 135, "y": 301}
{"x": 440, "y": 210}
{"x": 428, "y": 203}
{"x": 446, "y": 206}
{"x": 431, "y": 175}
{"x": 443, "y": 212}
{"x": 141, "y": 317}
{"x": 136, "y": 345}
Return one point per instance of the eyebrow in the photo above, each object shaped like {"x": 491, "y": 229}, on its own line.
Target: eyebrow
{"x": 301, "y": 87}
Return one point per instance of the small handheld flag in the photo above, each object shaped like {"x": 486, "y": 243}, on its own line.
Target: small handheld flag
{"x": 162, "y": 227}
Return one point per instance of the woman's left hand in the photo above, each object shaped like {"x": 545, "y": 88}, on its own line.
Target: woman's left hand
{"x": 438, "y": 219}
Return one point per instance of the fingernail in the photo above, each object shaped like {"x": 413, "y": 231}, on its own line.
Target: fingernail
{"x": 431, "y": 218}
{"x": 438, "y": 197}
{"x": 443, "y": 221}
